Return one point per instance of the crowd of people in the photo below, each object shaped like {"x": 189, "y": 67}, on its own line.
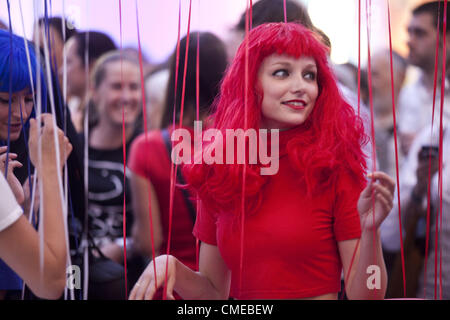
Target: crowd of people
{"x": 89, "y": 177}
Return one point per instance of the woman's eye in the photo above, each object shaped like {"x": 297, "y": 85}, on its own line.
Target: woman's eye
{"x": 310, "y": 75}
{"x": 3, "y": 100}
{"x": 281, "y": 73}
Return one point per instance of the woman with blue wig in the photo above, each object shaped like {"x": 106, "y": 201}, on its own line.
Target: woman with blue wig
{"x": 19, "y": 242}
{"x": 16, "y": 100}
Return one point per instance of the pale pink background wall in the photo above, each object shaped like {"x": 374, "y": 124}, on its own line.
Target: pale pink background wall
{"x": 158, "y": 19}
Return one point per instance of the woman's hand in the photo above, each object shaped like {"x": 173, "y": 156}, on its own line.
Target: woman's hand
{"x": 13, "y": 182}
{"x": 145, "y": 287}
{"x": 381, "y": 189}
{"x": 46, "y": 133}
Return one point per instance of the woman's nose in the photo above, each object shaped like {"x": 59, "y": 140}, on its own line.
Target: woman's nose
{"x": 129, "y": 95}
{"x": 297, "y": 84}
{"x": 17, "y": 107}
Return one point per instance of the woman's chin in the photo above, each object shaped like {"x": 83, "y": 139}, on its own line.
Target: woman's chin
{"x": 13, "y": 136}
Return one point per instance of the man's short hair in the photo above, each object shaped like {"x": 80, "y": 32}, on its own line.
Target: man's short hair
{"x": 56, "y": 23}
{"x": 265, "y": 11}
{"x": 436, "y": 9}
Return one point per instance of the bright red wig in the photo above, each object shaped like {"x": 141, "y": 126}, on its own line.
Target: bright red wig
{"x": 328, "y": 142}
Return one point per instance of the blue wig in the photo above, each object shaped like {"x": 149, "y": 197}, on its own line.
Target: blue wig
{"x": 14, "y": 65}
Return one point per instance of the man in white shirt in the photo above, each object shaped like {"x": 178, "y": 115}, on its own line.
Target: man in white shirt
{"x": 416, "y": 99}
{"x": 421, "y": 138}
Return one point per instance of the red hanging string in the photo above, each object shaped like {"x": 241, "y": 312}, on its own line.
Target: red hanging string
{"x": 197, "y": 105}
{"x": 175, "y": 168}
{"x": 124, "y": 149}
{"x": 396, "y": 152}
{"x": 147, "y": 153}
{"x": 197, "y": 78}
{"x": 250, "y": 26}
{"x": 372, "y": 126}
{"x": 183, "y": 89}
{"x": 284, "y": 8}
{"x": 177, "y": 63}
{"x": 359, "y": 57}
{"x": 244, "y": 171}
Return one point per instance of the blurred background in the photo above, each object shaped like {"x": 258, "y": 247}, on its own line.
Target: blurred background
{"x": 158, "y": 21}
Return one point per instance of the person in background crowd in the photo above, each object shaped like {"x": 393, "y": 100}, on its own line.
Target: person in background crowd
{"x": 115, "y": 99}
{"x": 96, "y": 44}
{"x": 150, "y": 157}
{"x": 52, "y": 28}
{"x": 416, "y": 99}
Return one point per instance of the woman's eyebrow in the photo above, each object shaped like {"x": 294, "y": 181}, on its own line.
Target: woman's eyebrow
{"x": 282, "y": 63}
{"x": 311, "y": 65}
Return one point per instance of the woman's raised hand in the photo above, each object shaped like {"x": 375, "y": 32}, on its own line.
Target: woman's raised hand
{"x": 48, "y": 153}
{"x": 381, "y": 189}
{"x": 13, "y": 182}
{"x": 147, "y": 285}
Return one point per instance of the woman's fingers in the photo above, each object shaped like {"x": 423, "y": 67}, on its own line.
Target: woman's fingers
{"x": 151, "y": 290}
{"x": 46, "y": 134}
{"x": 170, "y": 285}
{"x": 140, "y": 288}
{"x": 12, "y": 164}
{"x": 384, "y": 191}
{"x": 149, "y": 282}
{"x": 145, "y": 286}
{"x": 385, "y": 203}
{"x": 382, "y": 194}
{"x": 10, "y": 155}
{"x": 384, "y": 179}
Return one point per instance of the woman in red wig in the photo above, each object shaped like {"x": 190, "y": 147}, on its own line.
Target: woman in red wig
{"x": 287, "y": 235}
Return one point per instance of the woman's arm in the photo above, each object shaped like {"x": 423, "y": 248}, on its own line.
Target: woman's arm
{"x": 357, "y": 255}
{"x": 211, "y": 282}
{"x": 19, "y": 243}
{"x": 142, "y": 190}
{"x": 356, "y": 283}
